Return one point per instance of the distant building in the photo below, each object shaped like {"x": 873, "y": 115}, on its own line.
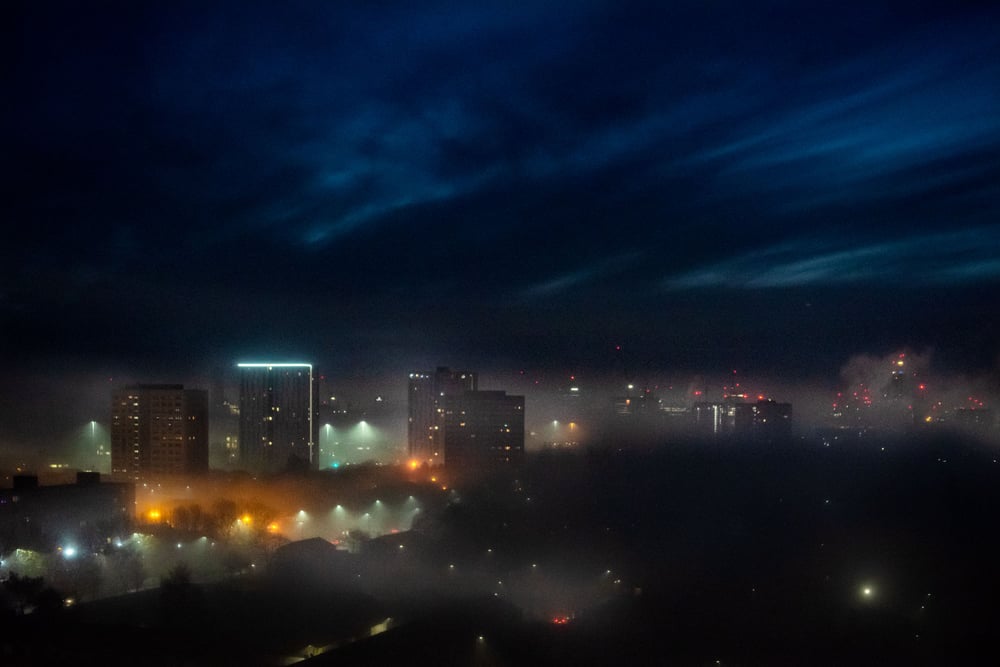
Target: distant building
{"x": 426, "y": 395}
{"x": 278, "y": 428}
{"x": 974, "y": 419}
{"x": 765, "y": 420}
{"x": 81, "y": 515}
{"x": 313, "y": 562}
{"x": 722, "y": 419}
{"x": 158, "y": 429}
{"x": 771, "y": 420}
{"x": 483, "y": 430}
{"x": 644, "y": 405}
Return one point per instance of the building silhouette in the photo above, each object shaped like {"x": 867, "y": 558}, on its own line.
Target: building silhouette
{"x": 763, "y": 421}
{"x": 278, "y": 429}
{"x": 85, "y": 514}
{"x": 426, "y": 395}
{"x": 483, "y": 430}
{"x": 158, "y": 429}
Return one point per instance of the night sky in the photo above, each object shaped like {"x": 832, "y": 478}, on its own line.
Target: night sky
{"x": 377, "y": 187}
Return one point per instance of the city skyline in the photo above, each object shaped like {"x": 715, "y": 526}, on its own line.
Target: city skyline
{"x": 503, "y": 187}
{"x": 369, "y": 420}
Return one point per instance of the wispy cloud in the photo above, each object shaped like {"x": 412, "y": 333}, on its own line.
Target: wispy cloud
{"x": 937, "y": 259}
{"x": 582, "y": 276}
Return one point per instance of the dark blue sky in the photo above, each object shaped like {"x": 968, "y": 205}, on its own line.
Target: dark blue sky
{"x": 380, "y": 186}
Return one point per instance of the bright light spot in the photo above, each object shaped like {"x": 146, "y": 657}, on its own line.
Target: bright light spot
{"x": 413, "y": 464}
{"x": 69, "y": 552}
{"x": 154, "y": 515}
{"x": 247, "y": 519}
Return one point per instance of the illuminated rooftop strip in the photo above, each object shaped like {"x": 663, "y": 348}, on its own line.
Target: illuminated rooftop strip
{"x": 273, "y": 365}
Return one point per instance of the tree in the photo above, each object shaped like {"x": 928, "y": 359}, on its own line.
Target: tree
{"x": 81, "y": 575}
{"x": 224, "y": 515}
{"x": 192, "y": 518}
{"x": 125, "y": 566}
{"x": 180, "y": 599}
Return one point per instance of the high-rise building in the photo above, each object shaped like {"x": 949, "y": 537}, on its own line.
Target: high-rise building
{"x": 427, "y": 392}
{"x": 483, "y": 430}
{"x": 278, "y": 405}
{"x": 158, "y": 429}
{"x": 765, "y": 420}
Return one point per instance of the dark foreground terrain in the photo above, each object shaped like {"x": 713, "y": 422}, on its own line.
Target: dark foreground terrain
{"x": 874, "y": 553}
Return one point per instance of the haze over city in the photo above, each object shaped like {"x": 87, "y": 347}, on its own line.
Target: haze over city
{"x": 595, "y": 286}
